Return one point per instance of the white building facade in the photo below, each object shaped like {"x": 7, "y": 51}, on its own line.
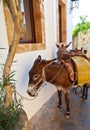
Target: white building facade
{"x": 24, "y": 60}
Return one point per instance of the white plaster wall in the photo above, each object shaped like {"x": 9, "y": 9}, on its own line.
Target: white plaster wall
{"x": 50, "y": 24}
{"x": 3, "y": 39}
{"x": 69, "y": 24}
{"x": 25, "y": 60}
{"x": 54, "y": 21}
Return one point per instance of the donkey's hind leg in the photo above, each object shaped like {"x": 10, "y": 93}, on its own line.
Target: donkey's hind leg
{"x": 86, "y": 95}
{"x": 85, "y": 92}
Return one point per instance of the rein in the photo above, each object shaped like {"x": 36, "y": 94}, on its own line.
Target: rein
{"x": 44, "y": 76}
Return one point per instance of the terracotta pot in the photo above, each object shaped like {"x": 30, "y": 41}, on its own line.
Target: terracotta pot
{"x": 24, "y": 124}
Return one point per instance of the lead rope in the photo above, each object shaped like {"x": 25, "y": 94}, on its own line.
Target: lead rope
{"x": 42, "y": 79}
{"x": 22, "y": 97}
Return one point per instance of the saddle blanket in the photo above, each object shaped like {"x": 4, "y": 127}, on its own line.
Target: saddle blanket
{"x": 70, "y": 70}
{"x": 83, "y": 69}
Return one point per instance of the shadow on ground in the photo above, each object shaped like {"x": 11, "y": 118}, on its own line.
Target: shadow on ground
{"x": 50, "y": 117}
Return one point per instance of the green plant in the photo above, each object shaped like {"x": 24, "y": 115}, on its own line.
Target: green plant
{"x": 8, "y": 80}
{"x": 41, "y": 0}
{"x": 9, "y": 117}
{"x": 83, "y": 26}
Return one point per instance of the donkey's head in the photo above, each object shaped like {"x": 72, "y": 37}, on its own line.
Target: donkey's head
{"x": 62, "y": 48}
{"x": 35, "y": 77}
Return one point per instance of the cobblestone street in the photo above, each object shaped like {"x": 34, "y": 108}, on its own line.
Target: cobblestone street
{"x": 50, "y": 117}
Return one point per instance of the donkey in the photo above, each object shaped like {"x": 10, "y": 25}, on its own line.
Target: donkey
{"x": 54, "y": 73}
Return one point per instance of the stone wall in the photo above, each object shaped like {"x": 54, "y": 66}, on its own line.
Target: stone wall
{"x": 82, "y": 40}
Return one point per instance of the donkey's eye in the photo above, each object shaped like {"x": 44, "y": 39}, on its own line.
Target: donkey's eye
{"x": 35, "y": 77}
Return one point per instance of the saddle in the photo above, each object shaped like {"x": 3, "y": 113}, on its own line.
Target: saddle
{"x": 75, "y": 61}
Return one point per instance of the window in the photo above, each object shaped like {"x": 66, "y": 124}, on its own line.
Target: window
{"x": 60, "y": 23}
{"x": 28, "y": 26}
{"x": 33, "y": 27}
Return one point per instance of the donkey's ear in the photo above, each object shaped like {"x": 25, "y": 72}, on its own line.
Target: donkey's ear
{"x": 39, "y": 59}
{"x": 68, "y": 44}
{"x": 61, "y": 44}
{"x": 57, "y": 45}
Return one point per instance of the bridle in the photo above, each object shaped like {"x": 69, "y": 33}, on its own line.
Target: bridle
{"x": 43, "y": 77}
{"x": 41, "y": 80}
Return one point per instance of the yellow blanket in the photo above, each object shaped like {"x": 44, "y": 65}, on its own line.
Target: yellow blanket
{"x": 83, "y": 69}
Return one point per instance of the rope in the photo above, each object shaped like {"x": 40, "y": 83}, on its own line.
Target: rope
{"x": 22, "y": 97}
{"x": 25, "y": 97}
{"x": 56, "y": 74}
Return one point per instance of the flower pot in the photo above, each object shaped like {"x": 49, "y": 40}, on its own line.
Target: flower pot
{"x": 23, "y": 124}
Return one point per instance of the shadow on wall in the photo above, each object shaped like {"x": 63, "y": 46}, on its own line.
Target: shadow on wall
{"x": 22, "y": 77}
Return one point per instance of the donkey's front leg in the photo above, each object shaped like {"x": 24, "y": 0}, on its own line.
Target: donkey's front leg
{"x": 60, "y": 98}
{"x": 67, "y": 115}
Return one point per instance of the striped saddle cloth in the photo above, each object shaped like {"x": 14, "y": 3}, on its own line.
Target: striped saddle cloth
{"x": 70, "y": 70}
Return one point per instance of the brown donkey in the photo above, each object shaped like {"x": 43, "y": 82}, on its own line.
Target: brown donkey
{"x": 54, "y": 73}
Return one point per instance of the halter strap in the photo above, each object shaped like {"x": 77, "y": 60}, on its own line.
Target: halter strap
{"x": 43, "y": 77}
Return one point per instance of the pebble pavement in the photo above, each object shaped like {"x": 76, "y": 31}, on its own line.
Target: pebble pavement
{"x": 50, "y": 117}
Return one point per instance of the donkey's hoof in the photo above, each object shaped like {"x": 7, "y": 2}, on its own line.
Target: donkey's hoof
{"x": 59, "y": 106}
{"x": 85, "y": 100}
{"x": 82, "y": 98}
{"x": 67, "y": 115}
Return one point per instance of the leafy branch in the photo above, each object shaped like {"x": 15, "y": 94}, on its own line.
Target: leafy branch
{"x": 83, "y": 26}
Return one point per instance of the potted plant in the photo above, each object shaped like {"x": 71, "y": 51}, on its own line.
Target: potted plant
{"x": 9, "y": 116}
{"x": 12, "y": 115}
